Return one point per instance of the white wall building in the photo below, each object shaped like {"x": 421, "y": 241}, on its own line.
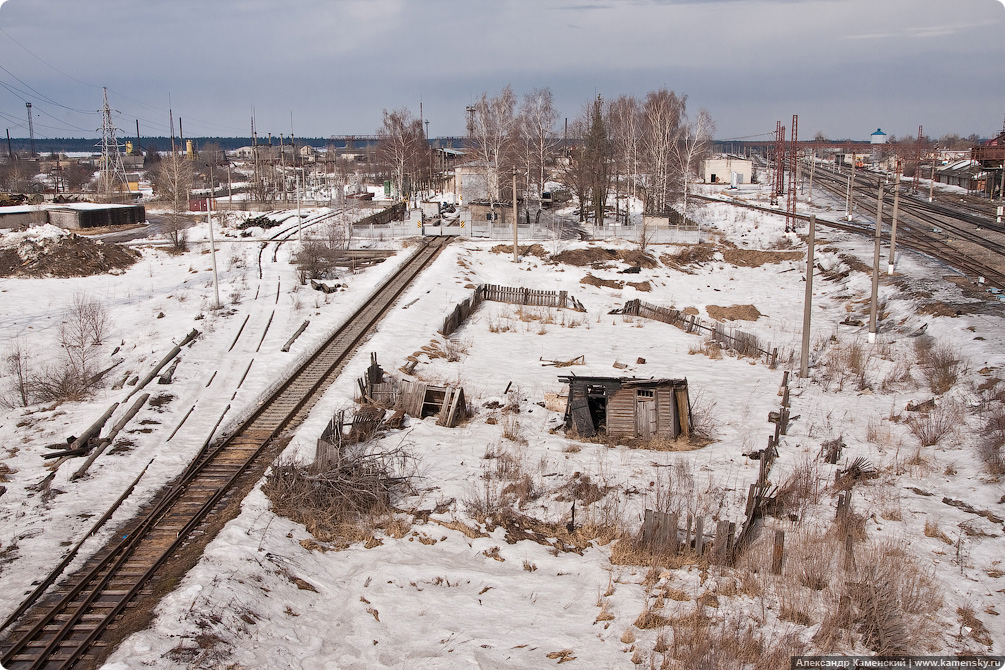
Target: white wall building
{"x": 719, "y": 170}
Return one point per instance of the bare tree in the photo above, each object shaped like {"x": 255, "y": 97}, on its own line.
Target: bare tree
{"x": 401, "y": 146}
{"x": 693, "y": 145}
{"x": 173, "y": 181}
{"x": 597, "y": 159}
{"x": 17, "y": 364}
{"x": 625, "y": 123}
{"x": 492, "y": 127}
{"x": 536, "y": 125}
{"x": 662, "y": 112}
{"x": 574, "y": 172}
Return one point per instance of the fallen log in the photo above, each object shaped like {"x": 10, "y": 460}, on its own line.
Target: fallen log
{"x": 108, "y": 439}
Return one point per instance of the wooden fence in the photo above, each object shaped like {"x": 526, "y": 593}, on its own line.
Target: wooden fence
{"x": 661, "y": 532}
{"x": 728, "y": 338}
{"x": 462, "y": 311}
{"x": 508, "y": 294}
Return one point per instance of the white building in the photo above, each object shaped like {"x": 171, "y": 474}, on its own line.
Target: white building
{"x": 720, "y": 169}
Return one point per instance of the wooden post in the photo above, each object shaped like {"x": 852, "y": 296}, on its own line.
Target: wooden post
{"x": 804, "y": 358}
{"x": 849, "y": 553}
{"x": 785, "y": 382}
{"x": 699, "y": 535}
{"x": 750, "y": 499}
{"x": 777, "y": 552}
{"x": 840, "y": 507}
{"x": 673, "y": 538}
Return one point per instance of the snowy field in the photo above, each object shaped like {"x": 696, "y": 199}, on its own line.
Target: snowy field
{"x": 440, "y": 589}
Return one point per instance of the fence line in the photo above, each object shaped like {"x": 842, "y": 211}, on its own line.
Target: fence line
{"x": 513, "y": 295}
{"x": 661, "y": 531}
{"x": 731, "y": 339}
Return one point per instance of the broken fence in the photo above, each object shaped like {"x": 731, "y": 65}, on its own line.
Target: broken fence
{"x": 508, "y": 294}
{"x": 728, "y": 338}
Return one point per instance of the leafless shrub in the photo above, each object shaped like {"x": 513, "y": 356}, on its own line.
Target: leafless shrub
{"x": 940, "y": 364}
{"x": 704, "y": 422}
{"x": 930, "y": 428}
{"x": 991, "y": 446}
{"x": 801, "y": 488}
{"x": 455, "y": 349}
{"x": 343, "y": 498}
{"x": 17, "y": 366}
{"x": 894, "y": 599}
{"x": 842, "y": 364}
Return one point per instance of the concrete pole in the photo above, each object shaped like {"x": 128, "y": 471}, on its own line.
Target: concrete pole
{"x": 931, "y": 182}
{"x": 300, "y": 227}
{"x": 516, "y": 249}
{"x": 875, "y": 268}
{"x": 804, "y": 358}
{"x": 850, "y": 205}
{"x": 813, "y": 165}
{"x": 893, "y": 225}
{"x": 212, "y": 252}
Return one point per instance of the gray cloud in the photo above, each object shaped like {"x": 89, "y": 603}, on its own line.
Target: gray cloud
{"x": 846, "y": 66}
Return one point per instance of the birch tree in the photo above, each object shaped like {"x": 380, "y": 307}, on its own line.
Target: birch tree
{"x": 692, "y": 146}
{"x": 625, "y": 126}
{"x": 400, "y": 145}
{"x": 492, "y": 126}
{"x": 661, "y": 116}
{"x": 536, "y": 123}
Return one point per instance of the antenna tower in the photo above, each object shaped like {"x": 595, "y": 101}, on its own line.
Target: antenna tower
{"x": 111, "y": 157}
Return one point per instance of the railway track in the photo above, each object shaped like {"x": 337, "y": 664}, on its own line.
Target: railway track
{"x": 970, "y": 243}
{"x": 919, "y": 228}
{"x": 74, "y": 625}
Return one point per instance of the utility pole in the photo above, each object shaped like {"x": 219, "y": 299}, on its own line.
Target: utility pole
{"x": 300, "y": 227}
{"x": 875, "y": 267}
{"x": 813, "y": 165}
{"x": 31, "y": 130}
{"x": 212, "y": 251}
{"x": 804, "y": 357}
{"x": 139, "y": 150}
{"x": 893, "y": 226}
{"x": 516, "y": 249}
{"x": 931, "y": 182}
{"x": 111, "y": 159}
{"x": 10, "y": 150}
{"x": 850, "y": 206}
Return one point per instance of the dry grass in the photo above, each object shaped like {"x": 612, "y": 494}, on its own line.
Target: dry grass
{"x": 803, "y": 486}
{"x": 931, "y": 427}
{"x": 845, "y": 364}
{"x": 708, "y": 347}
{"x": 940, "y": 364}
{"x": 991, "y": 444}
{"x": 932, "y": 530}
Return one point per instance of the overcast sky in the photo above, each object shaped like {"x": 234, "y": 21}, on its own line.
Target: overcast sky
{"x": 846, "y": 67}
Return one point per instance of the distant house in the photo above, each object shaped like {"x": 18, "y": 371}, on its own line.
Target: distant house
{"x": 628, "y": 407}
{"x": 964, "y": 174}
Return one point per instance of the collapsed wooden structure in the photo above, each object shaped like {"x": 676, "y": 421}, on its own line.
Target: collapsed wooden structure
{"x": 628, "y": 407}
{"x": 446, "y": 403}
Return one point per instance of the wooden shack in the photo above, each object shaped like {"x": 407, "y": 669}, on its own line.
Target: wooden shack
{"x": 628, "y": 407}
{"x": 419, "y": 399}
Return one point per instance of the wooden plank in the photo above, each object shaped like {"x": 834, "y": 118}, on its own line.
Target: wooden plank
{"x": 699, "y": 535}
{"x": 777, "y": 551}
{"x": 579, "y": 407}
{"x": 683, "y": 411}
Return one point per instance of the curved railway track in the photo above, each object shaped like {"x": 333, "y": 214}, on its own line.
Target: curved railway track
{"x": 934, "y": 230}
{"x": 920, "y": 229}
{"x": 69, "y": 627}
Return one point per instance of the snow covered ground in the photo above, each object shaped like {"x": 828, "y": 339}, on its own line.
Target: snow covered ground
{"x": 442, "y": 591}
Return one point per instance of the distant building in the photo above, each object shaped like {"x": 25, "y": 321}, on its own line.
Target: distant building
{"x": 720, "y": 169}
{"x": 878, "y": 137}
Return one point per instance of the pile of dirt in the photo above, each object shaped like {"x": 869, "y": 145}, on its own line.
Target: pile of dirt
{"x": 597, "y": 256}
{"x": 597, "y": 281}
{"x": 65, "y": 256}
{"x": 643, "y": 286}
{"x": 754, "y": 258}
{"x": 532, "y": 250}
{"x": 733, "y": 313}
{"x": 687, "y": 257}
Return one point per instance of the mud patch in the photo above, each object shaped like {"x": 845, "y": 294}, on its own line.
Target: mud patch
{"x": 754, "y": 258}
{"x": 643, "y": 286}
{"x": 689, "y": 257}
{"x": 530, "y": 250}
{"x": 597, "y": 256}
{"x": 590, "y": 280}
{"x": 733, "y": 313}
